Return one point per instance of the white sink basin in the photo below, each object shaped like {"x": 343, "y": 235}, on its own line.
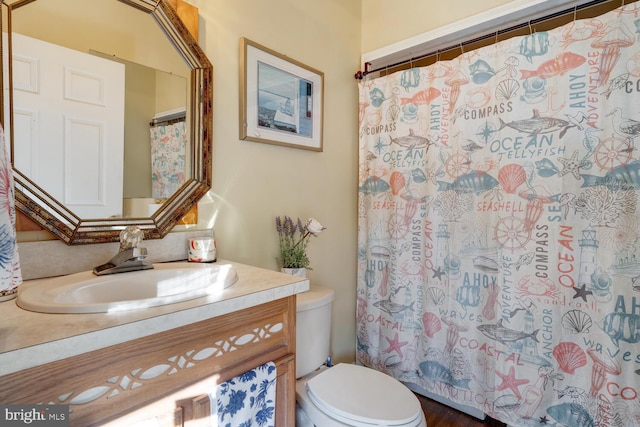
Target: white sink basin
{"x": 164, "y": 284}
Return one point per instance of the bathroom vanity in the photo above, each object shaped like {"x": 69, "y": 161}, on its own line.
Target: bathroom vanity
{"x": 157, "y": 363}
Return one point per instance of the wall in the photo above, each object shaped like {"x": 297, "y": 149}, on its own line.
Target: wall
{"x": 385, "y": 22}
{"x": 140, "y": 100}
{"x": 71, "y": 24}
{"x": 254, "y": 182}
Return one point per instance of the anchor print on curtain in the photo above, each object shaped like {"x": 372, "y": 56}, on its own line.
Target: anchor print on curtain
{"x": 499, "y": 225}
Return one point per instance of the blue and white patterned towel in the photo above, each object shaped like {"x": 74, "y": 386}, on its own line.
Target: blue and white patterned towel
{"x": 247, "y": 400}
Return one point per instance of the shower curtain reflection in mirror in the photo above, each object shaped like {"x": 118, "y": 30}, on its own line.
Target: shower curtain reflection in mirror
{"x": 168, "y": 155}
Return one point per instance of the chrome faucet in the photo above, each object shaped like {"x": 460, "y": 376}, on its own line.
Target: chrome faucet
{"x": 131, "y": 257}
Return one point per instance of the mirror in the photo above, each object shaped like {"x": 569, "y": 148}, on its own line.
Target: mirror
{"x": 147, "y": 46}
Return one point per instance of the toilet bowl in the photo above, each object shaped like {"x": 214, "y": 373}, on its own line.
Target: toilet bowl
{"x": 345, "y": 394}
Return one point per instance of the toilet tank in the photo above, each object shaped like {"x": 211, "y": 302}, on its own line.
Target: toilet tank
{"x": 313, "y": 328}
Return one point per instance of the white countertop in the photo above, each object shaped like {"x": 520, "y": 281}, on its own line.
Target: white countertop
{"x": 29, "y": 339}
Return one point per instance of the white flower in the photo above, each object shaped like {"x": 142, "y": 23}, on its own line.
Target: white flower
{"x": 314, "y": 227}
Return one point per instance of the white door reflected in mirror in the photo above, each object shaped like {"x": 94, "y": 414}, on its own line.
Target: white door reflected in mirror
{"x": 69, "y": 123}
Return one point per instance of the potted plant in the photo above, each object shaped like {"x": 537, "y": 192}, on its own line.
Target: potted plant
{"x": 293, "y": 238}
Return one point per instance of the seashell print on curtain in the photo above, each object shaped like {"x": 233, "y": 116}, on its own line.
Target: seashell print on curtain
{"x": 499, "y": 226}
{"x": 10, "y": 274}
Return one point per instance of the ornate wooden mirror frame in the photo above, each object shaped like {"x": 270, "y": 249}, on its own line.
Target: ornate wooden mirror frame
{"x": 52, "y": 215}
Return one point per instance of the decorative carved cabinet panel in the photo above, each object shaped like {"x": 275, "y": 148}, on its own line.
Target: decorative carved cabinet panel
{"x": 167, "y": 375}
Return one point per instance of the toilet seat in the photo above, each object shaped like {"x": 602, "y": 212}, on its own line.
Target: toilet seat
{"x": 360, "y": 396}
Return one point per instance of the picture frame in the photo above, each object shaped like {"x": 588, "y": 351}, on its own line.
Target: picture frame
{"x": 281, "y": 99}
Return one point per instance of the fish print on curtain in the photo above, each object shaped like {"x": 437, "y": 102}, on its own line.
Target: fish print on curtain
{"x": 499, "y": 225}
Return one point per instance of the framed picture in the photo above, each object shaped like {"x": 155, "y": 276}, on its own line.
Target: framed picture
{"x": 280, "y": 99}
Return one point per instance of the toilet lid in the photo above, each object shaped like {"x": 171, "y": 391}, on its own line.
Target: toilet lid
{"x": 351, "y": 393}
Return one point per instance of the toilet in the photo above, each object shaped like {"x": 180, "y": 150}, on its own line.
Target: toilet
{"x": 344, "y": 394}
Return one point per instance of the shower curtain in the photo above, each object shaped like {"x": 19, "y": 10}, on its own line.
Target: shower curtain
{"x": 499, "y": 225}
{"x": 168, "y": 156}
{"x": 10, "y": 273}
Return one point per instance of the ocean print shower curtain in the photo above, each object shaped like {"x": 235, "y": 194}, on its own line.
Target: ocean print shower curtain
{"x": 168, "y": 158}
{"x": 499, "y": 226}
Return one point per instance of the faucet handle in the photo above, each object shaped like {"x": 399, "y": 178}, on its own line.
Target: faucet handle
{"x": 131, "y": 237}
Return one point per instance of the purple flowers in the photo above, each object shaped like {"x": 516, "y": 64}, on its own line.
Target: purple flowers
{"x": 293, "y": 238}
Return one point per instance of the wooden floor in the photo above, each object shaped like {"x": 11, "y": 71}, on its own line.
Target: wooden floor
{"x": 439, "y": 415}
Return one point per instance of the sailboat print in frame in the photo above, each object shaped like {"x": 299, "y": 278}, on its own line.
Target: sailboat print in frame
{"x": 281, "y": 100}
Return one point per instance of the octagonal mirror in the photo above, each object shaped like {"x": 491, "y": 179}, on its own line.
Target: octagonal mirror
{"x": 107, "y": 111}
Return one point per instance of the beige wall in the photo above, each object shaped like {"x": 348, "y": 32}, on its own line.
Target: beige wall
{"x": 386, "y": 22}
{"x": 90, "y": 26}
{"x": 253, "y": 182}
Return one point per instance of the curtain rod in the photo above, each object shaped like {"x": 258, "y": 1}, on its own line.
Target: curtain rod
{"x": 359, "y": 75}
{"x": 166, "y": 122}
{"x": 169, "y": 117}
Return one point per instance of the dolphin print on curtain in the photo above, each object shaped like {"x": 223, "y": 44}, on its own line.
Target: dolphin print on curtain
{"x": 499, "y": 226}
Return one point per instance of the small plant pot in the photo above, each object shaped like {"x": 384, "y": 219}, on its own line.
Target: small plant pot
{"x": 300, "y": 272}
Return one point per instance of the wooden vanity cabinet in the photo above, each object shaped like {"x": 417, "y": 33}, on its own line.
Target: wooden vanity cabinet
{"x": 167, "y": 375}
